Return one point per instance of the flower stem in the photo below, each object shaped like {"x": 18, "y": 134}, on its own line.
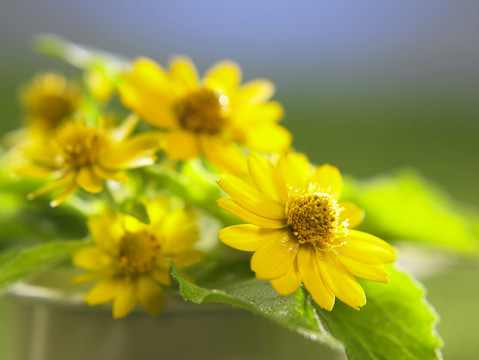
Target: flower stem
{"x": 76, "y": 55}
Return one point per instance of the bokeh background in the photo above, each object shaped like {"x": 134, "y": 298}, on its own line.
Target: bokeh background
{"x": 368, "y": 86}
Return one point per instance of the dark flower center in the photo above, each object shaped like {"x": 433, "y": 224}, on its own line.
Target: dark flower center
{"x": 201, "y": 111}
{"x": 314, "y": 218}
{"x": 80, "y": 145}
{"x": 138, "y": 252}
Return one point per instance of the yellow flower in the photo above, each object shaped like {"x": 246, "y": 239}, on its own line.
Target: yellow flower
{"x": 300, "y": 232}
{"x": 48, "y": 100}
{"x": 78, "y": 155}
{"x": 208, "y": 116}
{"x": 130, "y": 258}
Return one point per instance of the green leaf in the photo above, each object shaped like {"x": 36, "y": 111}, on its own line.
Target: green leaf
{"x": 16, "y": 264}
{"x": 22, "y": 220}
{"x": 259, "y": 297}
{"x": 397, "y": 323}
{"x": 135, "y": 208}
{"x": 405, "y": 206}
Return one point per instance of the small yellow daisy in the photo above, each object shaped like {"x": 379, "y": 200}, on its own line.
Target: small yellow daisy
{"x": 48, "y": 99}
{"x": 300, "y": 232}
{"x": 208, "y": 116}
{"x": 78, "y": 155}
{"x": 130, "y": 258}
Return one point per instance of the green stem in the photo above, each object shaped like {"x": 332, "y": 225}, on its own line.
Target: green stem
{"x": 109, "y": 198}
{"x": 77, "y": 55}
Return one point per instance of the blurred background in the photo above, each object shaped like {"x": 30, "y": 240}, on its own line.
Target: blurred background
{"x": 369, "y": 86}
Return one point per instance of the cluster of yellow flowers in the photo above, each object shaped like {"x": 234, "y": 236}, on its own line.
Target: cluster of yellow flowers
{"x": 298, "y": 229}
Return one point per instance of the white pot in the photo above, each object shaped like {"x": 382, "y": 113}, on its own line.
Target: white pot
{"x": 52, "y": 323}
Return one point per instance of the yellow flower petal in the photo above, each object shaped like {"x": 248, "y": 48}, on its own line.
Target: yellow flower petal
{"x": 267, "y": 178}
{"x": 250, "y": 198}
{"x": 253, "y": 115}
{"x": 340, "y": 281}
{"x": 178, "y": 231}
{"x": 132, "y": 224}
{"x": 132, "y": 163}
{"x": 246, "y": 237}
{"x": 268, "y": 138}
{"x": 183, "y": 75}
{"x": 308, "y": 268}
{"x": 255, "y": 91}
{"x": 225, "y": 75}
{"x": 63, "y": 195}
{"x": 150, "y": 295}
{"x": 365, "y": 248}
{"x": 351, "y": 214}
{"x": 294, "y": 169}
{"x": 109, "y": 175}
{"x": 157, "y": 209}
{"x": 182, "y": 240}
{"x": 135, "y": 152}
{"x": 105, "y": 291}
{"x": 92, "y": 258}
{"x": 236, "y": 209}
{"x": 88, "y": 180}
{"x": 125, "y": 129}
{"x": 181, "y": 145}
{"x": 125, "y": 300}
{"x": 365, "y": 271}
{"x": 69, "y": 178}
{"x": 163, "y": 264}
{"x": 328, "y": 177}
{"x": 276, "y": 256}
{"x": 227, "y": 156}
{"x": 289, "y": 282}
{"x": 155, "y": 111}
{"x": 104, "y": 230}
{"x": 42, "y": 154}
{"x": 148, "y": 76}
{"x": 144, "y": 144}
{"x": 34, "y": 171}
{"x": 162, "y": 275}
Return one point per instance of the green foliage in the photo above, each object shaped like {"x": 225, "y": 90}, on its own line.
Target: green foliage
{"x": 397, "y": 323}
{"x": 25, "y": 222}
{"x": 135, "y": 208}
{"x": 16, "y": 264}
{"x": 405, "y": 206}
{"x": 193, "y": 189}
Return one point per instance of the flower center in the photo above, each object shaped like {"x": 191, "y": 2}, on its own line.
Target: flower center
{"x": 80, "y": 145}
{"x": 52, "y": 109}
{"x": 201, "y": 111}
{"x": 138, "y": 252}
{"x": 314, "y": 218}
